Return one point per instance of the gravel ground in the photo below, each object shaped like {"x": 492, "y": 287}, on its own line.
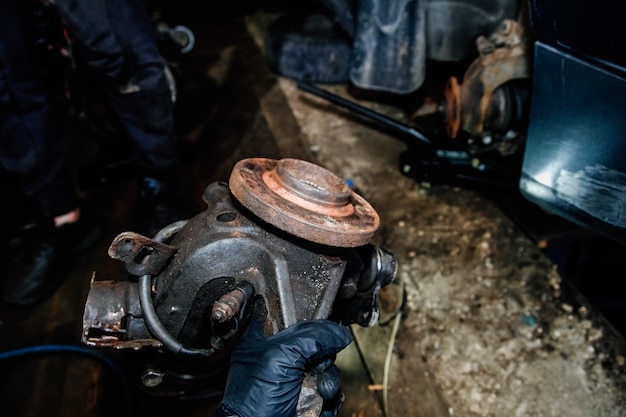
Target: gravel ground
{"x": 487, "y": 314}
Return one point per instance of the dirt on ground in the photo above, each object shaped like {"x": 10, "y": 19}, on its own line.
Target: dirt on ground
{"x": 488, "y": 322}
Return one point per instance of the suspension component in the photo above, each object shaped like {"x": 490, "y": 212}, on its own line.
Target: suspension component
{"x": 284, "y": 241}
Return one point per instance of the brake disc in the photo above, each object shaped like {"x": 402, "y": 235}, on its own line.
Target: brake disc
{"x": 304, "y": 200}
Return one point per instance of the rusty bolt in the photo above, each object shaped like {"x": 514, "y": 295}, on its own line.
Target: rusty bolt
{"x": 228, "y": 305}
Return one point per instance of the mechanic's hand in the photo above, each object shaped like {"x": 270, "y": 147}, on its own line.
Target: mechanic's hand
{"x": 265, "y": 375}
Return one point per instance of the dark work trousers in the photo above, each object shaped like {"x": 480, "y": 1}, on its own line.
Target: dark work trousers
{"x": 30, "y": 138}
{"x": 116, "y": 39}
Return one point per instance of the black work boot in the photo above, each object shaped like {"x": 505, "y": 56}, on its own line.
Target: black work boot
{"x": 159, "y": 204}
{"x": 45, "y": 259}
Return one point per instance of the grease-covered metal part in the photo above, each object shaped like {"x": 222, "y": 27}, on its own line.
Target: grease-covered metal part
{"x": 470, "y": 106}
{"x": 133, "y": 249}
{"x": 214, "y": 272}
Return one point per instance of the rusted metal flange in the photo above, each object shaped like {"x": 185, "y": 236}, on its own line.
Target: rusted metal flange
{"x": 453, "y": 107}
{"x": 305, "y": 200}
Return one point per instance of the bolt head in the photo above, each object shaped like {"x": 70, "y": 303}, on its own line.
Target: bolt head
{"x": 152, "y": 378}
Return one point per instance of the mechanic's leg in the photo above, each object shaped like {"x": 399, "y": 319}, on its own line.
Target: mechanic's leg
{"x": 117, "y": 39}
{"x": 30, "y": 141}
{"x": 31, "y": 145}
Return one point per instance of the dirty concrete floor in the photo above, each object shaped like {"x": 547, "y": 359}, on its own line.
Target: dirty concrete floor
{"x": 490, "y": 327}
{"x": 478, "y": 323}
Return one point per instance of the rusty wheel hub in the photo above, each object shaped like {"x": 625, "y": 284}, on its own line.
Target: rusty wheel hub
{"x": 305, "y": 200}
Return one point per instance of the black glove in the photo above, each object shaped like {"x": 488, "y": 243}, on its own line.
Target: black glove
{"x": 265, "y": 375}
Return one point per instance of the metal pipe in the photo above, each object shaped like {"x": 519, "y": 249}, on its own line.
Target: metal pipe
{"x": 364, "y": 111}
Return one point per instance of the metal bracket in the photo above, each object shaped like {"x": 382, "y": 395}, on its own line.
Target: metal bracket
{"x": 141, "y": 255}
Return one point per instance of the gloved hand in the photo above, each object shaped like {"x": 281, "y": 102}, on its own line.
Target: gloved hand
{"x": 266, "y": 374}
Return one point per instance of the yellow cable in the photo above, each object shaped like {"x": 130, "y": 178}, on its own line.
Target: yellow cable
{"x": 392, "y": 339}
